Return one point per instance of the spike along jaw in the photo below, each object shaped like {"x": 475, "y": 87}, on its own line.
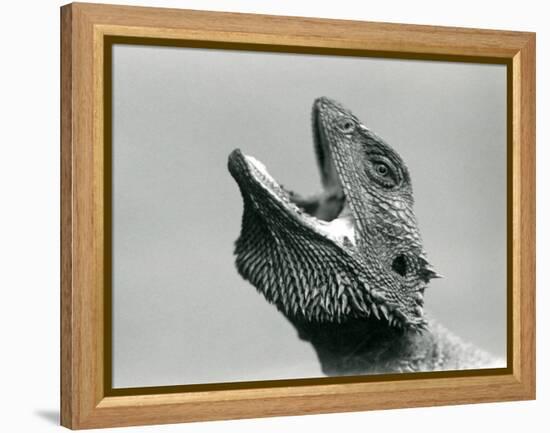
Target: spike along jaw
{"x": 351, "y": 251}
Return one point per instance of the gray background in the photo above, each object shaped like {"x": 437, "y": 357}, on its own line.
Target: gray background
{"x": 181, "y": 313}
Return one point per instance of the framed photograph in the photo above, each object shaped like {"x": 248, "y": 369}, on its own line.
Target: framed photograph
{"x": 265, "y": 215}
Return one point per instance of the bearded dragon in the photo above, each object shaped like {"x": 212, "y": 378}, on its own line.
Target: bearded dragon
{"x": 347, "y": 267}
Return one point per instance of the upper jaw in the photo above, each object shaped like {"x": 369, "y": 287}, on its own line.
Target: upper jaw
{"x": 325, "y": 161}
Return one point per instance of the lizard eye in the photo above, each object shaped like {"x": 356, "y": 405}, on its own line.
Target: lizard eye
{"x": 347, "y": 126}
{"x": 383, "y": 172}
{"x": 382, "y": 169}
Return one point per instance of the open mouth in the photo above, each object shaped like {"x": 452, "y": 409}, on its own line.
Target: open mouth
{"x": 327, "y": 212}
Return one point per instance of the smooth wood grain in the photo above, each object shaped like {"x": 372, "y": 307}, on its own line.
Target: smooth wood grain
{"x": 84, "y": 403}
{"x": 67, "y": 385}
{"x": 524, "y": 61}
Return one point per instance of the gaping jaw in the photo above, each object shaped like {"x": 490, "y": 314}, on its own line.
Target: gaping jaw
{"x": 326, "y": 213}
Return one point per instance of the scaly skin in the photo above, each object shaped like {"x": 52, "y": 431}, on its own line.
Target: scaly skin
{"x": 347, "y": 266}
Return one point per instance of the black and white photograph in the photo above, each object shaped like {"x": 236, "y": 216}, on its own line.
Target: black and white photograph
{"x": 286, "y": 216}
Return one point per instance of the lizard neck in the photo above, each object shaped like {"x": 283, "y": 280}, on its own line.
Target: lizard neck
{"x": 368, "y": 346}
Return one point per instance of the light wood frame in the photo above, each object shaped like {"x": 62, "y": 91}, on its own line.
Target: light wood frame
{"x": 86, "y": 397}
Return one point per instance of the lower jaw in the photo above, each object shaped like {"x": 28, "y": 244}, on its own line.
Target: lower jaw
{"x": 329, "y": 216}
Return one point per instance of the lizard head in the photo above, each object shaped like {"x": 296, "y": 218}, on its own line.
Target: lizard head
{"x": 352, "y": 251}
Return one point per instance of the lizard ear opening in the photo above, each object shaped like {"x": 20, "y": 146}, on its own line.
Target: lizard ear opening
{"x": 399, "y": 265}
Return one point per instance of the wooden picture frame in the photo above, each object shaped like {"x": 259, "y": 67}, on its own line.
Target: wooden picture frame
{"x": 87, "y": 34}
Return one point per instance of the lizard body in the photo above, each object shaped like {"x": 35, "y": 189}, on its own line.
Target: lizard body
{"x": 347, "y": 267}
